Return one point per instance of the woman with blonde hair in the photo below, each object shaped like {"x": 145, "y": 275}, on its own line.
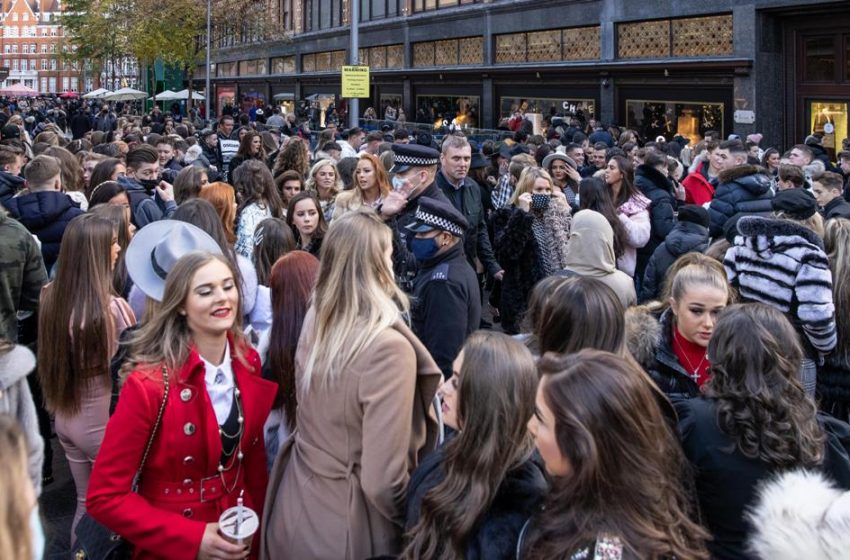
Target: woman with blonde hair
{"x": 530, "y": 240}
{"x": 223, "y": 199}
{"x": 365, "y": 384}
{"x": 833, "y": 377}
{"x": 326, "y": 183}
{"x": 698, "y": 293}
{"x": 21, "y": 536}
{"x": 77, "y": 337}
{"x": 371, "y": 185}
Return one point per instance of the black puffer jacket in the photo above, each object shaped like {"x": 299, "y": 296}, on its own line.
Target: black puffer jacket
{"x": 659, "y": 190}
{"x": 45, "y": 214}
{"x": 833, "y": 386}
{"x": 518, "y": 497}
{"x": 686, "y": 237}
{"x": 668, "y": 373}
{"x": 744, "y": 189}
{"x": 9, "y": 186}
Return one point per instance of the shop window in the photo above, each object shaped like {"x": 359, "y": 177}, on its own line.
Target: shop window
{"x": 819, "y": 59}
{"x": 283, "y": 65}
{"x": 582, "y": 109}
{"x": 379, "y": 9}
{"x": 446, "y": 111}
{"x": 690, "y": 119}
{"x": 390, "y": 105}
{"x": 847, "y": 58}
{"x": 449, "y": 52}
{"x": 226, "y": 69}
{"x": 322, "y": 14}
{"x": 829, "y": 120}
{"x": 255, "y": 67}
{"x": 685, "y": 37}
{"x": 553, "y": 45}
{"x": 423, "y": 5}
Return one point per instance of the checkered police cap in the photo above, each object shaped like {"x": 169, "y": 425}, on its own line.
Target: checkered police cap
{"x": 436, "y": 221}
{"x": 414, "y": 161}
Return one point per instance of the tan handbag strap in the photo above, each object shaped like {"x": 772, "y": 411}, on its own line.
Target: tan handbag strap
{"x": 153, "y": 432}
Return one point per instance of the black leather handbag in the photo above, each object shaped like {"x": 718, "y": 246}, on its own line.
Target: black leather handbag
{"x": 95, "y": 541}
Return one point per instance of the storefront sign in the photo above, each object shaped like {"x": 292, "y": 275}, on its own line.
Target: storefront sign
{"x": 355, "y": 81}
{"x": 745, "y": 117}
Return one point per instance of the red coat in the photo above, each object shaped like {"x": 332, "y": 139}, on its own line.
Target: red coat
{"x": 697, "y": 188}
{"x": 167, "y": 518}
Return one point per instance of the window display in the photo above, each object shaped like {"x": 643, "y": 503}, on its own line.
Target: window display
{"x": 583, "y": 109}
{"x": 690, "y": 119}
{"x": 390, "y": 106}
{"x": 448, "y": 111}
{"x": 829, "y": 120}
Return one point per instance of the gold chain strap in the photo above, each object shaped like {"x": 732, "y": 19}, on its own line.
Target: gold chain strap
{"x": 153, "y": 432}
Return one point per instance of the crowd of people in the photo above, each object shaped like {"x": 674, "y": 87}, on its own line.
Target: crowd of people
{"x": 576, "y": 345}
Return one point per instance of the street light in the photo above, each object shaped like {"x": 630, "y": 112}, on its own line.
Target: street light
{"x": 207, "y": 86}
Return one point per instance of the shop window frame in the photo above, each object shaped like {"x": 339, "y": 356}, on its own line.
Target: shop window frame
{"x": 585, "y": 100}
{"x": 629, "y": 99}
{"x": 476, "y": 104}
{"x": 803, "y": 58}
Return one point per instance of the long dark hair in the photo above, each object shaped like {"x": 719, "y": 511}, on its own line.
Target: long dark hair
{"x": 102, "y": 172}
{"x": 75, "y": 332}
{"x": 580, "y": 301}
{"x": 625, "y": 476}
{"x": 104, "y": 192}
{"x": 755, "y": 357}
{"x": 628, "y": 189}
{"x": 321, "y": 227}
{"x": 244, "y": 150}
{"x": 594, "y": 194}
{"x": 291, "y": 282}
{"x": 273, "y": 238}
{"x": 496, "y": 393}
{"x": 294, "y": 156}
{"x": 254, "y": 184}
{"x": 118, "y": 216}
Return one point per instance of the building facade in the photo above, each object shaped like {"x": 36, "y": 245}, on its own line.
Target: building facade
{"x": 31, "y": 46}
{"x": 780, "y": 67}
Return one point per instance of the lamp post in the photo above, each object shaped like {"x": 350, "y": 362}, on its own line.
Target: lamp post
{"x": 354, "y": 102}
{"x": 207, "y": 85}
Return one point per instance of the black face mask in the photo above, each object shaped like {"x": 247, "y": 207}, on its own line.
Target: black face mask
{"x": 149, "y": 184}
{"x": 540, "y": 201}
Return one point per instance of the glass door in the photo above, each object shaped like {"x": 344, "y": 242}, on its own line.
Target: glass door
{"x": 828, "y": 119}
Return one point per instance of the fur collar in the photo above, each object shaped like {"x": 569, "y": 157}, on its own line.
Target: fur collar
{"x": 753, "y": 226}
{"x": 737, "y": 172}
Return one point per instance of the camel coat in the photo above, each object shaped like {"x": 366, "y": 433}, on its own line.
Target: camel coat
{"x": 337, "y": 488}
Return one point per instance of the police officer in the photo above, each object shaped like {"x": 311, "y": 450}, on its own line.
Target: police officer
{"x": 446, "y": 296}
{"x": 414, "y": 172}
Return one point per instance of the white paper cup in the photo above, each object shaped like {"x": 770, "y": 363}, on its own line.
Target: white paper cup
{"x": 248, "y": 525}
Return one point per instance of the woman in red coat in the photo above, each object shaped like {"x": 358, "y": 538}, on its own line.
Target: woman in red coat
{"x": 209, "y": 446}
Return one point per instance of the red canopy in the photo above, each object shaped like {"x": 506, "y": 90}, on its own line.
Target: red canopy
{"x": 69, "y": 95}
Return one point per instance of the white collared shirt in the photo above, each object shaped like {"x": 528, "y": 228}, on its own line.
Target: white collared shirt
{"x": 221, "y": 393}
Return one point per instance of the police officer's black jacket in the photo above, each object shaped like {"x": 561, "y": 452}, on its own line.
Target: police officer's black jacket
{"x": 476, "y": 241}
{"x": 446, "y": 305}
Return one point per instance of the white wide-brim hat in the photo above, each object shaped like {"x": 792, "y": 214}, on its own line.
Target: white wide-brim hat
{"x": 156, "y": 248}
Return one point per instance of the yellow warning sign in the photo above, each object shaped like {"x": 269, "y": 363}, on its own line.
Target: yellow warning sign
{"x": 355, "y": 81}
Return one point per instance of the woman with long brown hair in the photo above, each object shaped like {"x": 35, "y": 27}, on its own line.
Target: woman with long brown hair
{"x": 223, "y": 199}
{"x": 371, "y": 185}
{"x": 632, "y": 209}
{"x": 484, "y": 482}
{"x": 294, "y": 157}
{"x": 617, "y": 484}
{"x": 250, "y": 148}
{"x": 754, "y": 420}
{"x": 120, "y": 218}
{"x": 80, "y": 321}
{"x": 258, "y": 200}
{"x": 307, "y": 221}
{"x": 291, "y": 283}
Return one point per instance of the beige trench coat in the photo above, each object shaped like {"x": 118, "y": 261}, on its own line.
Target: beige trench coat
{"x": 337, "y": 488}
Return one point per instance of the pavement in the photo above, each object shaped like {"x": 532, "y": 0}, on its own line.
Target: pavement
{"x": 57, "y": 503}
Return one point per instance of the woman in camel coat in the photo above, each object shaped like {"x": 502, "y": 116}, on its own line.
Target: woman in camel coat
{"x": 364, "y": 392}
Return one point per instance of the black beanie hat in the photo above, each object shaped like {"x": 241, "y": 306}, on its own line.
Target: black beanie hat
{"x": 694, "y": 214}
{"x": 798, "y": 204}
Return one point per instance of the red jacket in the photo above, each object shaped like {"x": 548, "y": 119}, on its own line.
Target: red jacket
{"x": 167, "y": 518}
{"x": 697, "y": 188}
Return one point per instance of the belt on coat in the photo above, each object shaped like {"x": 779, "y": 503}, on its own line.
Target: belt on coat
{"x": 204, "y": 490}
